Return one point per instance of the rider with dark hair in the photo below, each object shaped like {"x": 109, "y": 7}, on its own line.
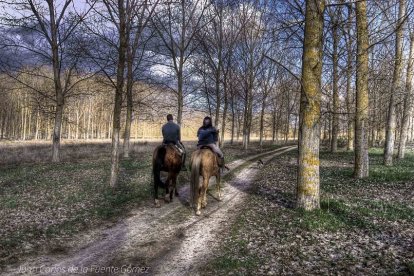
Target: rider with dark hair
{"x": 208, "y": 136}
{"x": 171, "y": 134}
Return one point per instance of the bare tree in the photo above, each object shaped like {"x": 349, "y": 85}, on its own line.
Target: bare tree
{"x": 118, "y": 12}
{"x": 177, "y": 23}
{"x": 361, "y": 168}
{"x": 51, "y": 27}
{"x": 140, "y": 13}
{"x": 396, "y": 86}
{"x": 408, "y": 101}
{"x": 309, "y": 125}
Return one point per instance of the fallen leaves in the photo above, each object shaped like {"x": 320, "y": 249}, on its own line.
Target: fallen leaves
{"x": 359, "y": 230}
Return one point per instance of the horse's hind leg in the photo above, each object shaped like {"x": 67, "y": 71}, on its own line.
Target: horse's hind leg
{"x": 174, "y": 186}
{"x": 218, "y": 184}
{"x": 168, "y": 189}
{"x": 204, "y": 192}
{"x": 156, "y": 201}
{"x": 175, "y": 189}
{"x": 200, "y": 200}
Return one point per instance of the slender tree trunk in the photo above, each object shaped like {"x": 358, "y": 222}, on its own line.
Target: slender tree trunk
{"x": 361, "y": 168}
{"x": 261, "y": 124}
{"x": 60, "y": 101}
{"x": 246, "y": 123}
{"x": 225, "y": 108}
{"x": 3, "y": 123}
{"x": 116, "y": 127}
{"x": 57, "y": 130}
{"x": 77, "y": 123}
{"x": 218, "y": 97}
{"x": 349, "y": 109}
{"x": 311, "y": 92}
{"x": 273, "y": 126}
{"x": 408, "y": 105}
{"x": 335, "y": 117}
{"x": 233, "y": 123}
{"x": 287, "y": 129}
{"x": 295, "y": 128}
{"x": 130, "y": 82}
{"x": 325, "y": 129}
{"x": 180, "y": 98}
{"x": 396, "y": 87}
{"x": 233, "y": 119}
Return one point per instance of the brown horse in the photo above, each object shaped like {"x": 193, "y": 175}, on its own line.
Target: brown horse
{"x": 166, "y": 158}
{"x": 203, "y": 163}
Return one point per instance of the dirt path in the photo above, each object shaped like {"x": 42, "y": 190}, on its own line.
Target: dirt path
{"x": 159, "y": 241}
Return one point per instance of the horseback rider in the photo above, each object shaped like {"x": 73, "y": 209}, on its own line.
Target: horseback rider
{"x": 172, "y": 135}
{"x": 208, "y": 137}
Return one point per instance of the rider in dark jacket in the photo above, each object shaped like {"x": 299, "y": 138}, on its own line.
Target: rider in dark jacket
{"x": 171, "y": 134}
{"x": 208, "y": 136}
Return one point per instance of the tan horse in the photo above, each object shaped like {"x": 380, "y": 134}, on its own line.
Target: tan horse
{"x": 166, "y": 158}
{"x": 203, "y": 163}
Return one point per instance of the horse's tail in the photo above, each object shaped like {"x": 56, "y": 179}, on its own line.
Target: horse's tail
{"x": 157, "y": 165}
{"x": 195, "y": 177}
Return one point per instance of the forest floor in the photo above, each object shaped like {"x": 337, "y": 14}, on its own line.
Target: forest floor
{"x": 364, "y": 227}
{"x": 44, "y": 206}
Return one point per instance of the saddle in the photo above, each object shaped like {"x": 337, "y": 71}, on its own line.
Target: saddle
{"x": 176, "y": 147}
{"x": 220, "y": 161}
{"x": 207, "y": 147}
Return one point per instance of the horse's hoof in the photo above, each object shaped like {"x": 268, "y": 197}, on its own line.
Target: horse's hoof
{"x": 157, "y": 204}
{"x": 198, "y": 213}
{"x": 220, "y": 198}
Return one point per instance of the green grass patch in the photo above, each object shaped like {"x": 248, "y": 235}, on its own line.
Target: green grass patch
{"x": 335, "y": 215}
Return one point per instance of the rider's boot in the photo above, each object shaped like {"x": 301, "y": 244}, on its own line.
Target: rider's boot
{"x": 220, "y": 161}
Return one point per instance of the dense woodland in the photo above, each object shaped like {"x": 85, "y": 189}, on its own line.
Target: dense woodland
{"x": 337, "y": 73}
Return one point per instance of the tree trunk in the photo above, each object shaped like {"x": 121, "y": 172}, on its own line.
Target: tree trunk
{"x": 335, "y": 117}
{"x": 3, "y": 123}
{"x": 361, "y": 168}
{"x": 57, "y": 131}
{"x": 349, "y": 109}
{"x": 311, "y": 92}
{"x": 60, "y": 101}
{"x": 274, "y": 126}
{"x": 130, "y": 83}
{"x": 396, "y": 87}
{"x": 408, "y": 105}
{"x": 180, "y": 98}
{"x": 223, "y": 124}
{"x": 116, "y": 127}
{"x": 246, "y": 123}
{"x": 262, "y": 122}
{"x": 233, "y": 122}
{"x": 218, "y": 94}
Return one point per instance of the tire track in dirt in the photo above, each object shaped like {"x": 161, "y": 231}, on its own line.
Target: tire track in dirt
{"x": 150, "y": 237}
